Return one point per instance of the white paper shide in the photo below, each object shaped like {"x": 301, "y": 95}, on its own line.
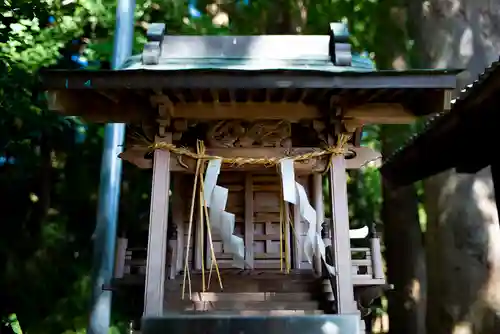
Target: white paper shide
{"x": 222, "y": 222}
{"x": 294, "y": 193}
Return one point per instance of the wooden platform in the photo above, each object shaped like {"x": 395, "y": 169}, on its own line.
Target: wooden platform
{"x": 247, "y": 293}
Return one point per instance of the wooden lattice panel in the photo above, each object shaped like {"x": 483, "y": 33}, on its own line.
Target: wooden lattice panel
{"x": 266, "y": 218}
{"x": 266, "y": 191}
{"x": 255, "y": 201}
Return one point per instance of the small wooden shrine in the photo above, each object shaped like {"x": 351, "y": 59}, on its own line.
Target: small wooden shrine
{"x": 440, "y": 146}
{"x": 244, "y": 128}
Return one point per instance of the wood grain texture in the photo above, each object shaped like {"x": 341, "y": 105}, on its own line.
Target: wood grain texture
{"x": 157, "y": 238}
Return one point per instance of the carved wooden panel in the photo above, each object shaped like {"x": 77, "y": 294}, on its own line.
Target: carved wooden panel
{"x": 240, "y": 133}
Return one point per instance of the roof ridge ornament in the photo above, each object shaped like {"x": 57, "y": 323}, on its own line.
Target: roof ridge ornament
{"x": 339, "y": 47}
{"x": 152, "y": 49}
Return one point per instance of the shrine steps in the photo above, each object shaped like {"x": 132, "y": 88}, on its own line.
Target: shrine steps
{"x": 233, "y": 303}
{"x": 247, "y": 293}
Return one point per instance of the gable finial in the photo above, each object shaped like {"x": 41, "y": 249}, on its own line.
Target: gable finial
{"x": 340, "y": 48}
{"x": 152, "y": 49}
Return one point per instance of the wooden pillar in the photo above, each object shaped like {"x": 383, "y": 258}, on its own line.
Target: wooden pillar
{"x": 157, "y": 238}
{"x": 178, "y": 220}
{"x": 320, "y": 215}
{"x": 340, "y": 237}
{"x": 249, "y": 226}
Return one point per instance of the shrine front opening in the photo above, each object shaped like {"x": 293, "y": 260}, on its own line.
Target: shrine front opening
{"x": 242, "y": 131}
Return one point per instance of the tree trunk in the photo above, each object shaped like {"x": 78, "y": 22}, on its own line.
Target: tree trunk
{"x": 463, "y": 233}
{"x": 404, "y": 252}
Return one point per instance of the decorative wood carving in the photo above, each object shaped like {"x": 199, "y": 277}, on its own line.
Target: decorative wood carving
{"x": 312, "y": 133}
{"x": 237, "y": 133}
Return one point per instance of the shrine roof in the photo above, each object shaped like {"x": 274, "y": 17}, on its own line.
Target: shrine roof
{"x": 449, "y": 139}
{"x": 310, "y": 69}
{"x": 248, "y": 62}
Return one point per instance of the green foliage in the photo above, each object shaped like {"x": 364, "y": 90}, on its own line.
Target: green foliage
{"x": 364, "y": 189}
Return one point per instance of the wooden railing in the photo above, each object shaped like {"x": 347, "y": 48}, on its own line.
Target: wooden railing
{"x": 366, "y": 266}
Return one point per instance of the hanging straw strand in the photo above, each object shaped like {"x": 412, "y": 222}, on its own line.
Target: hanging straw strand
{"x": 190, "y": 229}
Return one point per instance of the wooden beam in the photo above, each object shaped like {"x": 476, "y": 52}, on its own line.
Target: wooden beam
{"x": 364, "y": 155}
{"x": 292, "y": 112}
{"x": 380, "y": 113}
{"x": 340, "y": 237}
{"x": 100, "y": 107}
{"x": 157, "y": 239}
{"x": 97, "y": 108}
{"x": 249, "y": 215}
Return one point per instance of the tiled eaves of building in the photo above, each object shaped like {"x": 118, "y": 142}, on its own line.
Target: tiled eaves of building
{"x": 458, "y": 105}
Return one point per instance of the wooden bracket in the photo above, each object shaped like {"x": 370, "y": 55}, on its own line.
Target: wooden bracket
{"x": 165, "y": 112}
{"x": 165, "y": 106}
{"x": 163, "y": 123}
{"x": 162, "y": 127}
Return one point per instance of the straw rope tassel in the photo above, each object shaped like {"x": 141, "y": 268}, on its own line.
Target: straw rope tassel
{"x": 202, "y": 235}
{"x": 294, "y": 233}
{"x": 209, "y": 232}
{"x": 282, "y": 213}
{"x": 190, "y": 230}
{"x": 287, "y": 240}
{"x": 204, "y": 211}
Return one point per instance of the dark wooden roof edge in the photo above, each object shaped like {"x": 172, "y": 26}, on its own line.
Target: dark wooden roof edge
{"x": 374, "y": 72}
{"x": 227, "y": 79}
{"x": 433, "y": 128}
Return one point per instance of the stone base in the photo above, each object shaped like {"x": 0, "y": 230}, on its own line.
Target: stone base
{"x": 240, "y": 324}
